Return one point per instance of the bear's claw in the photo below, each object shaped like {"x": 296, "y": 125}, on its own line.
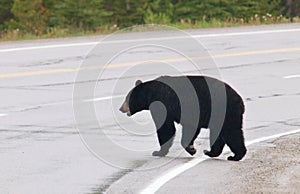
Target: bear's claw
{"x": 191, "y": 150}
{"x": 234, "y": 158}
{"x": 210, "y": 154}
{"x": 205, "y": 152}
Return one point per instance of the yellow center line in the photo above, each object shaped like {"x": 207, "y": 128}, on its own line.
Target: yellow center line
{"x": 118, "y": 65}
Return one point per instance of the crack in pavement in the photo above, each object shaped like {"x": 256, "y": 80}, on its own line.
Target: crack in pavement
{"x": 250, "y": 99}
{"x": 262, "y": 63}
{"x": 26, "y": 88}
{"x": 257, "y": 127}
{"x": 289, "y": 122}
{"x": 148, "y": 75}
{"x": 39, "y": 131}
{"x": 36, "y": 107}
{"x": 55, "y": 61}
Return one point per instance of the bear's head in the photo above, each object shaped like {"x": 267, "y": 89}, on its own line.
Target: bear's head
{"x": 135, "y": 100}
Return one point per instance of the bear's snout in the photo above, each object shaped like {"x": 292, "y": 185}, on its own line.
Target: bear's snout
{"x": 125, "y": 108}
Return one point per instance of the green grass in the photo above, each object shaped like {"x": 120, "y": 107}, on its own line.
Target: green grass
{"x": 12, "y": 35}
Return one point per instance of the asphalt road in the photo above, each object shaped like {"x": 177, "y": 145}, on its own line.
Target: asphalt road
{"x": 61, "y": 131}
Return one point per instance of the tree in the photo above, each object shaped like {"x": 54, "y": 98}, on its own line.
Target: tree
{"x": 159, "y": 12}
{"x": 270, "y": 7}
{"x": 81, "y": 14}
{"x": 246, "y": 9}
{"x": 126, "y": 13}
{"x": 292, "y": 8}
{"x": 30, "y": 16}
{"x": 37, "y": 16}
{"x": 5, "y": 13}
{"x": 196, "y": 10}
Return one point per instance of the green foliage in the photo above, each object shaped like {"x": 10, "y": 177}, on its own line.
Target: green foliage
{"x": 291, "y": 8}
{"x": 126, "y": 13}
{"x": 271, "y": 7}
{"x": 30, "y": 16}
{"x": 57, "y": 17}
{"x": 80, "y": 14}
{"x": 159, "y": 12}
{"x": 195, "y": 10}
{"x": 246, "y": 9}
{"x": 5, "y": 13}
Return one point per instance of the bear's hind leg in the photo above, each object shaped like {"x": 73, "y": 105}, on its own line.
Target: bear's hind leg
{"x": 235, "y": 141}
{"x": 187, "y": 140}
{"x": 216, "y": 148}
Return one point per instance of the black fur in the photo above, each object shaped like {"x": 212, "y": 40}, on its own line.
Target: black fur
{"x": 208, "y": 91}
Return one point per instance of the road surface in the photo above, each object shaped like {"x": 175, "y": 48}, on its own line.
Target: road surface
{"x": 51, "y": 140}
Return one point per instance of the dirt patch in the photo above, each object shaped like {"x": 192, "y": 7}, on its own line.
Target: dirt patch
{"x": 273, "y": 168}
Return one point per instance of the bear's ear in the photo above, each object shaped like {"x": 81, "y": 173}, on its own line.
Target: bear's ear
{"x": 138, "y": 82}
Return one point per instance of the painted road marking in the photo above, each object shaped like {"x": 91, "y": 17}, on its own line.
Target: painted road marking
{"x": 48, "y": 47}
{"x": 247, "y": 33}
{"x": 149, "y": 39}
{"x": 103, "y": 98}
{"x": 160, "y": 181}
{"x": 128, "y": 64}
{"x": 39, "y": 72}
{"x": 257, "y": 52}
{"x": 291, "y": 76}
{"x": 3, "y": 115}
{"x": 65, "y": 102}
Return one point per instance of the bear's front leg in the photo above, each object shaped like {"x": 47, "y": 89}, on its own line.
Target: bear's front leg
{"x": 165, "y": 145}
{"x": 160, "y": 153}
{"x": 165, "y": 129}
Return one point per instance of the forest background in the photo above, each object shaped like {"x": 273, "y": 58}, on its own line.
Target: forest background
{"x": 30, "y": 19}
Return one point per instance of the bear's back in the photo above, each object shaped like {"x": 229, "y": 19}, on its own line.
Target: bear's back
{"x": 205, "y": 86}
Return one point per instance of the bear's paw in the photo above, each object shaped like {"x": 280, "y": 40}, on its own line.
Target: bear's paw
{"x": 210, "y": 153}
{"x": 191, "y": 150}
{"x": 159, "y": 153}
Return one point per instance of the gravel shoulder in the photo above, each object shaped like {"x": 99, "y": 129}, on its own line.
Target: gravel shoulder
{"x": 269, "y": 167}
{"x": 273, "y": 168}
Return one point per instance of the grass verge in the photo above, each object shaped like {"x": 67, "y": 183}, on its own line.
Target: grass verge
{"x": 13, "y": 35}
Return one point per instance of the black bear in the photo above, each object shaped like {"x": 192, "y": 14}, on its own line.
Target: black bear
{"x": 195, "y": 102}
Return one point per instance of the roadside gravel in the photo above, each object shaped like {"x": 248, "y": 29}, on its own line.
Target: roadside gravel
{"x": 269, "y": 167}
{"x": 273, "y": 168}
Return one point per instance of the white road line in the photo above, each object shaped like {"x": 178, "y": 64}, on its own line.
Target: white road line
{"x": 48, "y": 47}
{"x": 160, "y": 181}
{"x": 149, "y": 39}
{"x": 103, "y": 98}
{"x": 3, "y": 115}
{"x": 291, "y": 76}
{"x": 247, "y": 33}
{"x": 65, "y": 102}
